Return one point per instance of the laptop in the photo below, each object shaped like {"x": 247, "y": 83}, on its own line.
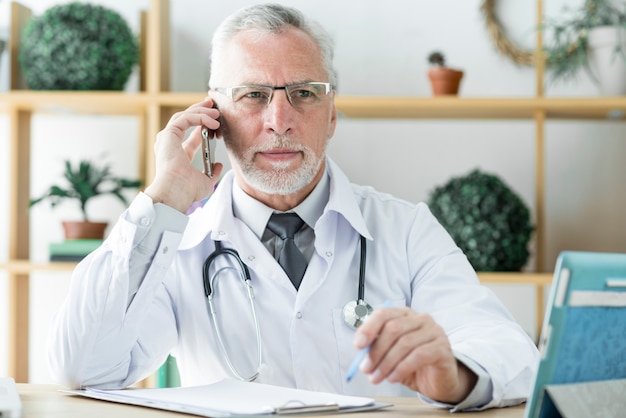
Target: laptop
{"x": 582, "y": 369}
{"x": 10, "y": 403}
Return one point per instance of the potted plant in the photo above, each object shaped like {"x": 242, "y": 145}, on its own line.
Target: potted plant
{"x": 86, "y": 181}
{"x": 77, "y": 46}
{"x": 590, "y": 38}
{"x": 443, "y": 80}
{"x": 486, "y": 219}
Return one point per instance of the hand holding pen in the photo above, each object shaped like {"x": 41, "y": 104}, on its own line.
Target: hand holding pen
{"x": 403, "y": 346}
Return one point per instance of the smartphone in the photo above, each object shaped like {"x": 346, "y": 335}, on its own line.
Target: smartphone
{"x": 208, "y": 150}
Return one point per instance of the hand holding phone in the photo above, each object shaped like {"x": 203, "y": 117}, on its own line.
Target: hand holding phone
{"x": 208, "y": 151}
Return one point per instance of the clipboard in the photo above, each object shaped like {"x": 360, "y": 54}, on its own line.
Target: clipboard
{"x": 234, "y": 398}
{"x": 582, "y": 369}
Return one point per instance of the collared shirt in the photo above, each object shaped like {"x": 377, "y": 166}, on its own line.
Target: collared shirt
{"x": 256, "y": 215}
{"x": 108, "y": 335}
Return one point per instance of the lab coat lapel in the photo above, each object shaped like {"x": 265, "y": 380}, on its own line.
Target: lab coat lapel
{"x": 217, "y": 220}
{"x": 338, "y": 227}
{"x": 343, "y": 201}
{"x": 214, "y": 218}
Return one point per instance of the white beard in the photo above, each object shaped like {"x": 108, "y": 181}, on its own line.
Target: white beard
{"x": 279, "y": 180}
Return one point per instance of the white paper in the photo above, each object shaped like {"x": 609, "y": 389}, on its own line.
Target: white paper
{"x": 580, "y": 298}
{"x": 226, "y": 398}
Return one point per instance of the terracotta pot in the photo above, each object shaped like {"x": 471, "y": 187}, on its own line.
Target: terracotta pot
{"x": 445, "y": 80}
{"x": 84, "y": 230}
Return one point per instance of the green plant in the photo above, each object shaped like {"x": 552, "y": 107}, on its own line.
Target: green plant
{"x": 436, "y": 58}
{"x": 567, "y": 40}
{"x": 486, "y": 219}
{"x": 87, "y": 181}
{"x": 77, "y": 46}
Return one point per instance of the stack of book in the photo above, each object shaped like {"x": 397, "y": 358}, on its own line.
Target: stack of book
{"x": 72, "y": 249}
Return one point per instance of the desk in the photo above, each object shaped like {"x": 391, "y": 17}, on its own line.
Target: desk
{"x": 45, "y": 401}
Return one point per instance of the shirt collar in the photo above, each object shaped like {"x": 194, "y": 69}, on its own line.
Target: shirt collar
{"x": 334, "y": 193}
{"x": 256, "y": 215}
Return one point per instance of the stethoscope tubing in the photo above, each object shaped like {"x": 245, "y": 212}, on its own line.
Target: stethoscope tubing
{"x": 361, "y": 288}
{"x": 209, "y": 288}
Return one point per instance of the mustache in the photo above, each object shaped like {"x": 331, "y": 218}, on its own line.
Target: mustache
{"x": 278, "y": 141}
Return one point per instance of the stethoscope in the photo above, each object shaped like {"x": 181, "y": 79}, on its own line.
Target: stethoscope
{"x": 354, "y": 312}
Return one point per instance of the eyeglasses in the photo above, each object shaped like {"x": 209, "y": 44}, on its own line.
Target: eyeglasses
{"x": 301, "y": 96}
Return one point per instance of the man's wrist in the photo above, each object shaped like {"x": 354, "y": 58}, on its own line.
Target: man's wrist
{"x": 480, "y": 393}
{"x": 166, "y": 197}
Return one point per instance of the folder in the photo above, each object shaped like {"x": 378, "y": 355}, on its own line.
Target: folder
{"x": 234, "y": 398}
{"x": 583, "y": 349}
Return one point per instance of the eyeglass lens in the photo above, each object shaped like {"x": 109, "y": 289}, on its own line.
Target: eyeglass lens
{"x": 299, "y": 95}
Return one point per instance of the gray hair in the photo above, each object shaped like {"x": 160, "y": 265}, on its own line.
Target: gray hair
{"x": 274, "y": 18}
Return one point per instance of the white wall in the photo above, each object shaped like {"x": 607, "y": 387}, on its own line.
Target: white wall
{"x": 381, "y": 50}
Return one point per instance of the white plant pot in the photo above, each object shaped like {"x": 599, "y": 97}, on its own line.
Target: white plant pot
{"x": 607, "y": 65}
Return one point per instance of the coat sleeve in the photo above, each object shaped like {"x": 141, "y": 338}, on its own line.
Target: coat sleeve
{"x": 117, "y": 324}
{"x": 478, "y": 325}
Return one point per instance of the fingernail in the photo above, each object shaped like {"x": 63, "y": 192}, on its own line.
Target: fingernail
{"x": 360, "y": 340}
{"x": 375, "y": 377}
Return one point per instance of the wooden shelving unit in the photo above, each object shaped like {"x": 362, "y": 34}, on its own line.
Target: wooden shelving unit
{"x": 154, "y": 104}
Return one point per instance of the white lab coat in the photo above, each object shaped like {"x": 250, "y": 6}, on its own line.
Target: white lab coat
{"x": 102, "y": 338}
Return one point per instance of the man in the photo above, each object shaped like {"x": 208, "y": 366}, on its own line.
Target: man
{"x": 142, "y": 296}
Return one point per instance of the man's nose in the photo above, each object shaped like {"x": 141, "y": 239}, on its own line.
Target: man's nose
{"x": 279, "y": 112}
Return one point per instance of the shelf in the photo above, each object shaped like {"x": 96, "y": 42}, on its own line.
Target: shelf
{"x": 362, "y": 107}
{"x": 535, "y": 279}
{"x": 25, "y": 266}
{"x": 99, "y": 102}
{"x": 480, "y": 108}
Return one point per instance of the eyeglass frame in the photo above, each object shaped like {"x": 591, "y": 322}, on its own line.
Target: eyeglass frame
{"x": 228, "y": 91}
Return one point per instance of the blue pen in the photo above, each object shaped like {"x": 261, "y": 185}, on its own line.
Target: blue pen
{"x": 354, "y": 367}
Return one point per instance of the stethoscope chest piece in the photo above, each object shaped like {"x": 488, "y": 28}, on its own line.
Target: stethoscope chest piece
{"x": 355, "y": 312}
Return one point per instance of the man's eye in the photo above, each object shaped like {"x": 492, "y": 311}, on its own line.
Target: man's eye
{"x": 256, "y": 95}
{"x": 304, "y": 94}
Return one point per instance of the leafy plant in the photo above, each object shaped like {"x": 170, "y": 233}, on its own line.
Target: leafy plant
{"x": 87, "y": 181}
{"x": 566, "y": 51}
{"x": 486, "y": 219}
{"x": 77, "y": 46}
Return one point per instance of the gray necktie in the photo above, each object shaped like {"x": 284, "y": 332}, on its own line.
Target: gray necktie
{"x": 285, "y": 225}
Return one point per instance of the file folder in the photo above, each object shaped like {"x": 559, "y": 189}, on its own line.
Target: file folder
{"x": 583, "y": 344}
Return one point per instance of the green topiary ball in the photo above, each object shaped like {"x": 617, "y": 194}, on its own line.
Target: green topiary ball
{"x": 77, "y": 46}
{"x": 487, "y": 220}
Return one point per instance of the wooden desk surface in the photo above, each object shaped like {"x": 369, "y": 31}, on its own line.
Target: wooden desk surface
{"x": 46, "y": 401}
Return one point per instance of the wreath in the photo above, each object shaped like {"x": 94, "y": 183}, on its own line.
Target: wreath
{"x": 502, "y": 43}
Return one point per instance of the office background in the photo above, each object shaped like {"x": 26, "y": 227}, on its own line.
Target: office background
{"x": 382, "y": 49}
